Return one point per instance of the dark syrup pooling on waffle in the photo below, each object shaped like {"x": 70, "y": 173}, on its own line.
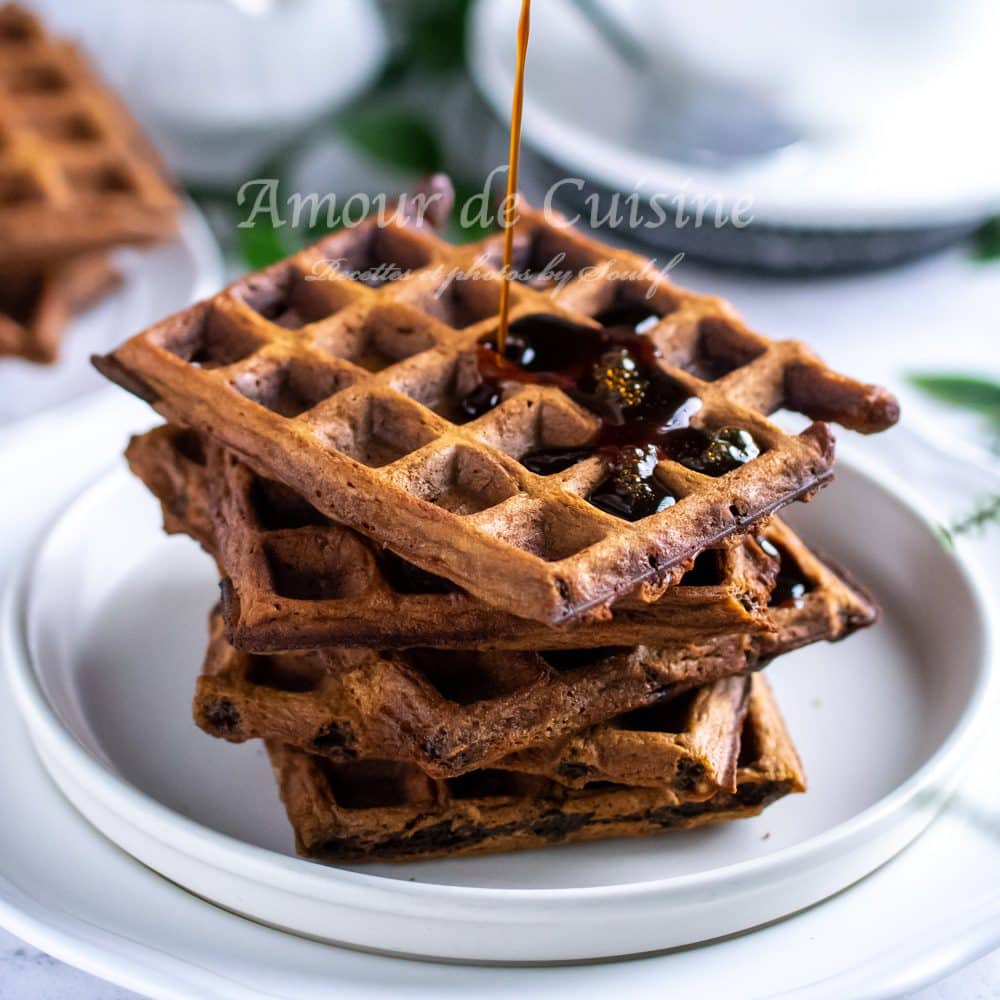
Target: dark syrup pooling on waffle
{"x": 791, "y": 585}
{"x": 612, "y": 371}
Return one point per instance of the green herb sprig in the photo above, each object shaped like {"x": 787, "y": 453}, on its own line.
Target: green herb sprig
{"x": 967, "y": 392}
{"x": 985, "y": 514}
{"x": 986, "y": 241}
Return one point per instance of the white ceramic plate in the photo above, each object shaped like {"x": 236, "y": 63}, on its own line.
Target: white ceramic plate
{"x": 583, "y": 112}
{"x": 103, "y": 638}
{"x": 68, "y": 890}
{"x": 156, "y": 282}
{"x": 914, "y": 920}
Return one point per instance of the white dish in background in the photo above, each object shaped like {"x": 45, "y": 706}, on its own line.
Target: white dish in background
{"x": 155, "y": 282}
{"x": 104, "y": 634}
{"x": 222, "y": 88}
{"x": 835, "y": 65}
{"x": 901, "y": 173}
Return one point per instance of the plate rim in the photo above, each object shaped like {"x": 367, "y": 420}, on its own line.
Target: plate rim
{"x": 318, "y": 882}
{"x": 564, "y": 143}
{"x": 137, "y": 964}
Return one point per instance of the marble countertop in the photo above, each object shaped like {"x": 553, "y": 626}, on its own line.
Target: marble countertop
{"x": 29, "y": 974}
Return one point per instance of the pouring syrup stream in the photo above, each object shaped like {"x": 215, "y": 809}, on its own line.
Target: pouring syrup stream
{"x": 611, "y": 370}
{"x": 510, "y": 207}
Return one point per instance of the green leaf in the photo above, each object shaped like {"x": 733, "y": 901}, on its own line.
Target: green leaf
{"x": 970, "y": 392}
{"x": 474, "y": 230}
{"x": 262, "y": 245}
{"x": 435, "y": 35}
{"x": 394, "y": 136}
{"x": 321, "y": 229}
{"x": 986, "y": 242}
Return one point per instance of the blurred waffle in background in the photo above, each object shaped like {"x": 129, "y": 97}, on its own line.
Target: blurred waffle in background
{"x": 77, "y": 178}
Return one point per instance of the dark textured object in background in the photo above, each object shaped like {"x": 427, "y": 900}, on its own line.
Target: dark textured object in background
{"x": 760, "y": 247}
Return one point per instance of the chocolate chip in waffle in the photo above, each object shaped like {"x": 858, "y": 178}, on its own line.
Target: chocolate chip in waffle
{"x": 296, "y": 580}
{"x": 36, "y": 307}
{"x": 367, "y": 397}
{"x": 76, "y": 174}
{"x": 452, "y": 711}
{"x": 372, "y": 810}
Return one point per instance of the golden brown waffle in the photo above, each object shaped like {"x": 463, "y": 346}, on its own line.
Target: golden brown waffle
{"x": 374, "y": 811}
{"x": 724, "y": 585}
{"x": 689, "y": 743}
{"x": 811, "y": 600}
{"x": 76, "y": 174}
{"x": 296, "y": 580}
{"x": 35, "y": 308}
{"x": 449, "y": 712}
{"x": 446, "y": 711}
{"x": 350, "y": 395}
{"x": 173, "y": 463}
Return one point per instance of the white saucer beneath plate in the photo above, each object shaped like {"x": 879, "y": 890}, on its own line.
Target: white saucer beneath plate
{"x": 103, "y": 635}
{"x": 68, "y": 890}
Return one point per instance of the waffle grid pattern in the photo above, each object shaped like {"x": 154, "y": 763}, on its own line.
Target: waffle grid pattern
{"x": 175, "y": 463}
{"x": 446, "y": 712}
{"x": 295, "y": 580}
{"x": 450, "y": 712}
{"x": 349, "y": 394}
{"x": 35, "y": 308}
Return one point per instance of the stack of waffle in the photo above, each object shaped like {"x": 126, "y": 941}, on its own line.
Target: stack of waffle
{"x": 460, "y": 617}
{"x": 77, "y": 178}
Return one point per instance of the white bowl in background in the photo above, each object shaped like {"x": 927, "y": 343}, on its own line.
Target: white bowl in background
{"x": 930, "y": 163}
{"x": 219, "y": 88}
{"x": 824, "y": 64}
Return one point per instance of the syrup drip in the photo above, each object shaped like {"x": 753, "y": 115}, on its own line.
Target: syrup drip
{"x": 644, "y": 414}
{"x": 611, "y": 370}
{"x": 791, "y": 585}
{"x": 510, "y": 209}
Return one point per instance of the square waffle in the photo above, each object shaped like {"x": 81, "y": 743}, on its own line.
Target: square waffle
{"x": 296, "y": 580}
{"x": 352, "y": 393}
{"x": 376, "y": 810}
{"x": 35, "y": 308}
{"x": 76, "y": 174}
{"x": 452, "y": 711}
{"x": 448, "y": 712}
{"x": 791, "y": 592}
